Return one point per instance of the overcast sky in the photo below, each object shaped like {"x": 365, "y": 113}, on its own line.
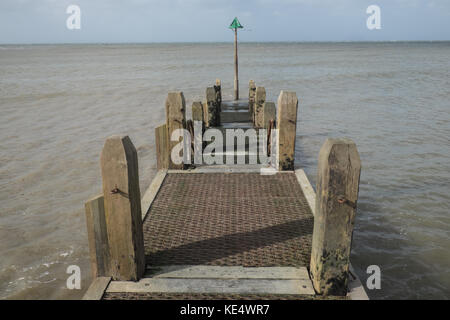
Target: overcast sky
{"x": 44, "y": 21}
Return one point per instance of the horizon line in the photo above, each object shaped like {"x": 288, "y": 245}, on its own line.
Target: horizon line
{"x": 220, "y": 42}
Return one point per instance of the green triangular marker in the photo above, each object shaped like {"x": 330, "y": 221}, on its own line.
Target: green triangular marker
{"x": 235, "y": 24}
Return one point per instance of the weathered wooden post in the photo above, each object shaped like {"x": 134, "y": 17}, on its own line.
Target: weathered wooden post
{"x": 198, "y": 117}
{"x": 287, "y": 126}
{"x": 251, "y": 98}
{"x": 97, "y": 236}
{"x": 338, "y": 175}
{"x": 162, "y": 147}
{"x": 175, "y": 119}
{"x": 212, "y": 107}
{"x": 197, "y": 111}
{"x": 218, "y": 89}
{"x": 260, "y": 98}
{"x": 269, "y": 111}
{"x": 122, "y": 199}
{"x": 205, "y": 113}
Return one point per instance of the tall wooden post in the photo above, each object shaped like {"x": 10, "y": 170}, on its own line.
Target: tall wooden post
{"x": 175, "y": 119}
{"x": 97, "y": 237}
{"x": 236, "y": 77}
{"x": 287, "y": 126}
{"x": 123, "y": 217}
{"x": 338, "y": 175}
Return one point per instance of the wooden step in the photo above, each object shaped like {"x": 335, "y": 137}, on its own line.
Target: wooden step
{"x": 235, "y": 116}
{"x": 219, "y": 279}
{"x": 235, "y": 105}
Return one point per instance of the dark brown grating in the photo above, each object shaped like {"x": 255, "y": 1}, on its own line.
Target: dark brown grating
{"x": 229, "y": 219}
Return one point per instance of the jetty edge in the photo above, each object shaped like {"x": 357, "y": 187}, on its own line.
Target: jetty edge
{"x": 225, "y": 231}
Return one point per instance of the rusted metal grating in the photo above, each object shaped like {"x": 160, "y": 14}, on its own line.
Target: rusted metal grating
{"x": 230, "y": 219}
{"x": 190, "y": 296}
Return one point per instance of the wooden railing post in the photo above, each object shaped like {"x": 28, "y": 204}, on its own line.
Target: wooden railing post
{"x": 97, "y": 237}
{"x": 212, "y": 107}
{"x": 218, "y": 89}
{"x": 338, "y": 175}
{"x": 269, "y": 112}
{"x": 122, "y": 199}
{"x": 260, "y": 98}
{"x": 287, "y": 126}
{"x": 251, "y": 98}
{"x": 162, "y": 147}
{"x": 175, "y": 119}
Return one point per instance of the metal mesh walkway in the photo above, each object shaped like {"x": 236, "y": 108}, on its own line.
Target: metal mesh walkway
{"x": 244, "y": 219}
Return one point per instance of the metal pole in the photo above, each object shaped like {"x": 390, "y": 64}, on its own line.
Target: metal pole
{"x": 236, "y": 81}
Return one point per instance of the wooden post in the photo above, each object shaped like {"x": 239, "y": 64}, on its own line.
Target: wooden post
{"x": 218, "y": 90}
{"x": 260, "y": 98}
{"x": 269, "y": 111}
{"x": 205, "y": 113}
{"x": 175, "y": 119}
{"x": 338, "y": 175}
{"x": 287, "y": 126}
{"x": 97, "y": 236}
{"x": 251, "y": 98}
{"x": 198, "y": 116}
{"x": 212, "y": 107}
{"x": 197, "y": 111}
{"x": 236, "y": 77}
{"x": 162, "y": 147}
{"x": 123, "y": 217}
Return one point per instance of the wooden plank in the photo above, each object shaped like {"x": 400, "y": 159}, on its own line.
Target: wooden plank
{"x": 175, "y": 119}
{"x": 123, "y": 215}
{"x": 151, "y": 192}
{"x": 287, "y": 126}
{"x": 338, "y": 176}
{"x": 225, "y": 286}
{"x": 97, "y": 288}
{"x": 260, "y": 98}
{"x": 235, "y": 116}
{"x": 228, "y": 272}
{"x": 97, "y": 236}
{"x": 307, "y": 189}
{"x": 162, "y": 147}
{"x": 233, "y": 168}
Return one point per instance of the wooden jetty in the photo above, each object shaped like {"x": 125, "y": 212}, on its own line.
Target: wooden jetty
{"x": 221, "y": 230}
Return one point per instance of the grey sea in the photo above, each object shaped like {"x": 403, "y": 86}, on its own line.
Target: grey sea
{"x": 58, "y": 104}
